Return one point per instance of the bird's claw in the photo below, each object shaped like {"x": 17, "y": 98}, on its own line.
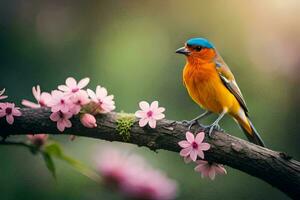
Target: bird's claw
{"x": 211, "y": 128}
{"x": 190, "y": 123}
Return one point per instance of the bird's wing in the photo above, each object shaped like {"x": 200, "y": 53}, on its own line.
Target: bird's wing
{"x": 229, "y": 81}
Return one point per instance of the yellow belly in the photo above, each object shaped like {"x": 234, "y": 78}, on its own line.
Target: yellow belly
{"x": 207, "y": 90}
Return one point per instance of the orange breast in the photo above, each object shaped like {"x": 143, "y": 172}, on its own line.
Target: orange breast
{"x": 206, "y": 88}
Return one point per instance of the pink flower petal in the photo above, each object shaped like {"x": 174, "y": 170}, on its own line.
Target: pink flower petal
{"x": 204, "y": 146}
{"x": 92, "y": 94}
{"x": 71, "y": 82}
{"x": 68, "y": 115}
{"x": 159, "y": 116}
{"x": 140, "y": 114}
{"x": 2, "y": 113}
{"x": 154, "y": 105}
{"x": 64, "y": 108}
{"x": 219, "y": 169}
{"x": 16, "y": 112}
{"x": 201, "y": 154}
{"x": 63, "y": 88}
{"x": 54, "y": 117}
{"x": 199, "y": 137}
{"x": 202, "y": 162}
{"x": 143, "y": 122}
{"x": 144, "y": 105}
{"x": 184, "y": 144}
{"x": 84, "y": 82}
{"x": 3, "y": 97}
{"x": 67, "y": 123}
{"x": 10, "y": 119}
{"x": 152, "y": 123}
{"x": 2, "y": 91}
{"x": 190, "y": 137}
{"x": 60, "y": 126}
{"x": 36, "y": 92}
{"x": 185, "y": 152}
{"x": 205, "y": 172}
{"x": 45, "y": 96}
{"x": 200, "y": 168}
{"x": 212, "y": 173}
{"x": 55, "y": 109}
{"x": 30, "y": 104}
{"x": 101, "y": 92}
{"x": 160, "y": 109}
{"x": 193, "y": 155}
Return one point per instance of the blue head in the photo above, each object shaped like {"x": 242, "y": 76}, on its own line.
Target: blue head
{"x": 197, "y": 47}
{"x": 201, "y": 42}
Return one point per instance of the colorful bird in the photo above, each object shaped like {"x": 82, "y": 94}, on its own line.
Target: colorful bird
{"x": 211, "y": 84}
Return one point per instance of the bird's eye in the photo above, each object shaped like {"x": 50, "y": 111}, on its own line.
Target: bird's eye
{"x": 198, "y": 48}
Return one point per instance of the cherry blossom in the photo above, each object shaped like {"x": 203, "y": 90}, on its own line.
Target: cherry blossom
{"x": 209, "y": 170}
{"x": 60, "y": 102}
{"x": 149, "y": 114}
{"x": 62, "y": 119}
{"x": 88, "y": 120}
{"x": 78, "y": 100}
{"x": 72, "y": 86}
{"x": 38, "y": 139}
{"x": 115, "y": 167}
{"x": 42, "y": 98}
{"x": 1, "y": 94}
{"x": 131, "y": 174}
{"x": 193, "y": 147}
{"x": 9, "y": 111}
{"x": 159, "y": 188}
{"x": 104, "y": 103}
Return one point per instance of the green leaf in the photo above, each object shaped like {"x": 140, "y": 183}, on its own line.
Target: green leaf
{"x": 49, "y": 163}
{"x": 55, "y": 150}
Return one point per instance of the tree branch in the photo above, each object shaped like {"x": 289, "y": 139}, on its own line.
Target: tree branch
{"x": 276, "y": 168}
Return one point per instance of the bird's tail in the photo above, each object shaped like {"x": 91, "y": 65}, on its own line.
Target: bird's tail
{"x": 249, "y": 130}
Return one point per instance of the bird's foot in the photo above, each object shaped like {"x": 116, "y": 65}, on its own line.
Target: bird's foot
{"x": 190, "y": 123}
{"x": 212, "y": 127}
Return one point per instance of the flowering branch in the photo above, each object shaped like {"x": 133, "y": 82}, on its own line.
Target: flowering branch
{"x": 276, "y": 168}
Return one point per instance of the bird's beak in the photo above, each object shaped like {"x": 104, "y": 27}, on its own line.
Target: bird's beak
{"x": 183, "y": 51}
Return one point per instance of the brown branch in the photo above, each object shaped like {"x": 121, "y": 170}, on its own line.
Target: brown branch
{"x": 273, "y": 167}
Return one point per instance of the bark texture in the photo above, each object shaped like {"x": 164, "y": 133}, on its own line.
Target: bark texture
{"x": 276, "y": 168}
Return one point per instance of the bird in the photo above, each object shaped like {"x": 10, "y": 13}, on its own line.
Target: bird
{"x": 211, "y": 84}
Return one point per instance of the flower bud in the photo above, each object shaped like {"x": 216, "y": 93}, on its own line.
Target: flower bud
{"x": 88, "y": 120}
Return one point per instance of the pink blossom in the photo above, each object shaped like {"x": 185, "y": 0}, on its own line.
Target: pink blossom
{"x": 116, "y": 167}
{"x": 159, "y": 188}
{"x": 38, "y": 139}
{"x": 104, "y": 103}
{"x": 72, "y": 87}
{"x": 62, "y": 119}
{"x": 60, "y": 102}
{"x": 78, "y": 100}
{"x": 208, "y": 169}
{"x": 1, "y": 94}
{"x": 149, "y": 114}
{"x": 193, "y": 147}
{"x": 43, "y": 98}
{"x": 134, "y": 177}
{"x": 9, "y": 111}
{"x": 88, "y": 120}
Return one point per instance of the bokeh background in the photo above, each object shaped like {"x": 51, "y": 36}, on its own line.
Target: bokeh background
{"x": 128, "y": 47}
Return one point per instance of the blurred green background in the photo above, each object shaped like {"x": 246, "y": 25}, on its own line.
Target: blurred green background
{"x": 128, "y": 47}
